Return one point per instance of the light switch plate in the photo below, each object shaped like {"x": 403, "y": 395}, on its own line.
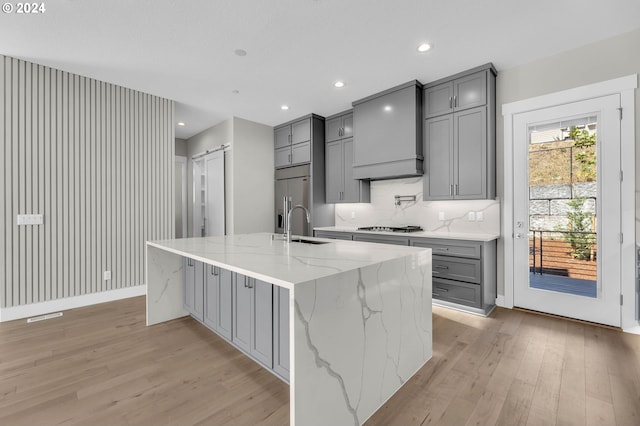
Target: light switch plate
{"x": 479, "y": 216}
{"x": 471, "y": 216}
{"x": 106, "y": 275}
{"x": 441, "y": 216}
{"x": 30, "y": 219}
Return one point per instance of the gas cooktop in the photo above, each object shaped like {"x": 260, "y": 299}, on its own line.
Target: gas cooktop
{"x": 409, "y": 228}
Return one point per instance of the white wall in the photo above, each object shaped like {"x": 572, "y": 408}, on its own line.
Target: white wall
{"x": 604, "y": 60}
{"x": 253, "y": 177}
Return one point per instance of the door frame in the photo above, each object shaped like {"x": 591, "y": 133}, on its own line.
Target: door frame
{"x": 183, "y": 202}
{"x": 625, "y": 87}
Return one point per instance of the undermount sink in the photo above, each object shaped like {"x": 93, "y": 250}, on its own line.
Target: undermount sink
{"x": 301, "y": 240}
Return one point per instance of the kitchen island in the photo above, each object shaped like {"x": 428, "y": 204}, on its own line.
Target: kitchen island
{"x": 359, "y": 313}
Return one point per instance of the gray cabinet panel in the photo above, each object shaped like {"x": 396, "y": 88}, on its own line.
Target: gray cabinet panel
{"x": 457, "y": 292}
{"x": 301, "y": 153}
{"x": 301, "y": 131}
{"x": 470, "y": 91}
{"x": 355, "y": 191}
{"x": 456, "y": 268}
{"x": 469, "y": 249}
{"x": 438, "y": 100}
{"x": 384, "y": 239}
{"x": 470, "y": 171}
{"x": 242, "y": 312}
{"x": 333, "y": 235}
{"x": 281, "y": 331}
{"x": 334, "y": 177}
{"x": 438, "y": 180}
{"x": 262, "y": 321}
{"x": 225, "y": 304}
{"x": 283, "y": 156}
{"x": 282, "y": 137}
{"x": 347, "y": 125}
{"x": 333, "y": 129}
{"x": 194, "y": 288}
{"x": 211, "y": 296}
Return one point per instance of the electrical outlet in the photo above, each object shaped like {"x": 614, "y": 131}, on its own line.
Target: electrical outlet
{"x": 441, "y": 216}
{"x": 471, "y": 216}
{"x": 479, "y": 216}
{"x": 29, "y": 219}
{"x": 107, "y": 275}
{"x": 353, "y": 215}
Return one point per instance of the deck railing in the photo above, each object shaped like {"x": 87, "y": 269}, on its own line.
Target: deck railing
{"x": 566, "y": 253}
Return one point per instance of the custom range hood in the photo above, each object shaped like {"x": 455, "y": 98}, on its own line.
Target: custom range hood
{"x": 387, "y": 133}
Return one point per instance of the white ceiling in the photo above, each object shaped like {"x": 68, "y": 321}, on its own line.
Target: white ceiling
{"x": 184, "y": 50}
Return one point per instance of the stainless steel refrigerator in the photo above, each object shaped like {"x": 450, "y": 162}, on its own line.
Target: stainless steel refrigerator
{"x": 295, "y": 184}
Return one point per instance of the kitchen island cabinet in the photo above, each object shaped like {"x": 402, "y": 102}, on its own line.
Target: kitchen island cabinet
{"x": 357, "y": 331}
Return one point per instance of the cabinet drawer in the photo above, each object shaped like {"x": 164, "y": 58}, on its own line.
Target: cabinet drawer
{"x": 457, "y": 268}
{"x": 333, "y": 235}
{"x": 383, "y": 239}
{"x": 457, "y": 292}
{"x": 468, "y": 249}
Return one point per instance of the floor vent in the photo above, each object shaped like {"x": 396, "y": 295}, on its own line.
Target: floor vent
{"x": 44, "y": 317}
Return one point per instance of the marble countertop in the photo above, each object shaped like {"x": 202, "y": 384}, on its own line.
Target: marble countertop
{"x": 282, "y": 263}
{"x": 423, "y": 234}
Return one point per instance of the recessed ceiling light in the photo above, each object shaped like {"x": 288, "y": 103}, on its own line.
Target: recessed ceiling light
{"x": 387, "y": 108}
{"x": 284, "y": 107}
{"x": 235, "y": 91}
{"x": 240, "y": 52}
{"x": 180, "y": 123}
{"x": 338, "y": 84}
{"x": 424, "y": 47}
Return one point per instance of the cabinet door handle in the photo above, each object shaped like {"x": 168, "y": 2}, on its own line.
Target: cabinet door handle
{"x": 441, "y": 267}
{"x": 289, "y": 158}
{"x": 249, "y": 285}
{"x": 214, "y": 271}
{"x": 457, "y": 189}
{"x": 450, "y": 102}
{"x": 451, "y": 190}
{"x": 455, "y": 101}
{"x": 442, "y": 248}
{"x": 444, "y": 290}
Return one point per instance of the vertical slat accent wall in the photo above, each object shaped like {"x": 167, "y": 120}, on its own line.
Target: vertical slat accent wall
{"x": 96, "y": 160}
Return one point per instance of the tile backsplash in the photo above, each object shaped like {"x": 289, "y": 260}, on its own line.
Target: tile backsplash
{"x": 382, "y": 210}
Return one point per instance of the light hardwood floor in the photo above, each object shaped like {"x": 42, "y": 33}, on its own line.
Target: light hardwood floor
{"x": 101, "y": 365}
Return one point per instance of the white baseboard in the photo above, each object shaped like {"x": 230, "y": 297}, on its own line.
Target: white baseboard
{"x": 500, "y": 301}
{"x": 34, "y": 309}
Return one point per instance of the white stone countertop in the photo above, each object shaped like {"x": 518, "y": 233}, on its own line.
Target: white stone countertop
{"x": 279, "y": 262}
{"x": 423, "y": 234}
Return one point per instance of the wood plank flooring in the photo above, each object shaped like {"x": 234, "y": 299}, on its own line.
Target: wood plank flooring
{"x": 101, "y": 365}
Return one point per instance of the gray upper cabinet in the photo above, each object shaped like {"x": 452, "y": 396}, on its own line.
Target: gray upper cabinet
{"x": 340, "y": 185}
{"x": 387, "y": 133}
{"x": 459, "y": 146}
{"x": 194, "y": 288}
{"x": 462, "y": 93}
{"x": 339, "y": 127}
{"x": 292, "y": 143}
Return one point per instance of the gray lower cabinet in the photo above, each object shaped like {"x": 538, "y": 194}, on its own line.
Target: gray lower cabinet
{"x": 281, "y": 331}
{"x": 253, "y": 318}
{"x": 384, "y": 239}
{"x": 194, "y": 287}
{"x": 218, "y": 300}
{"x": 464, "y": 272}
{"x": 333, "y": 235}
